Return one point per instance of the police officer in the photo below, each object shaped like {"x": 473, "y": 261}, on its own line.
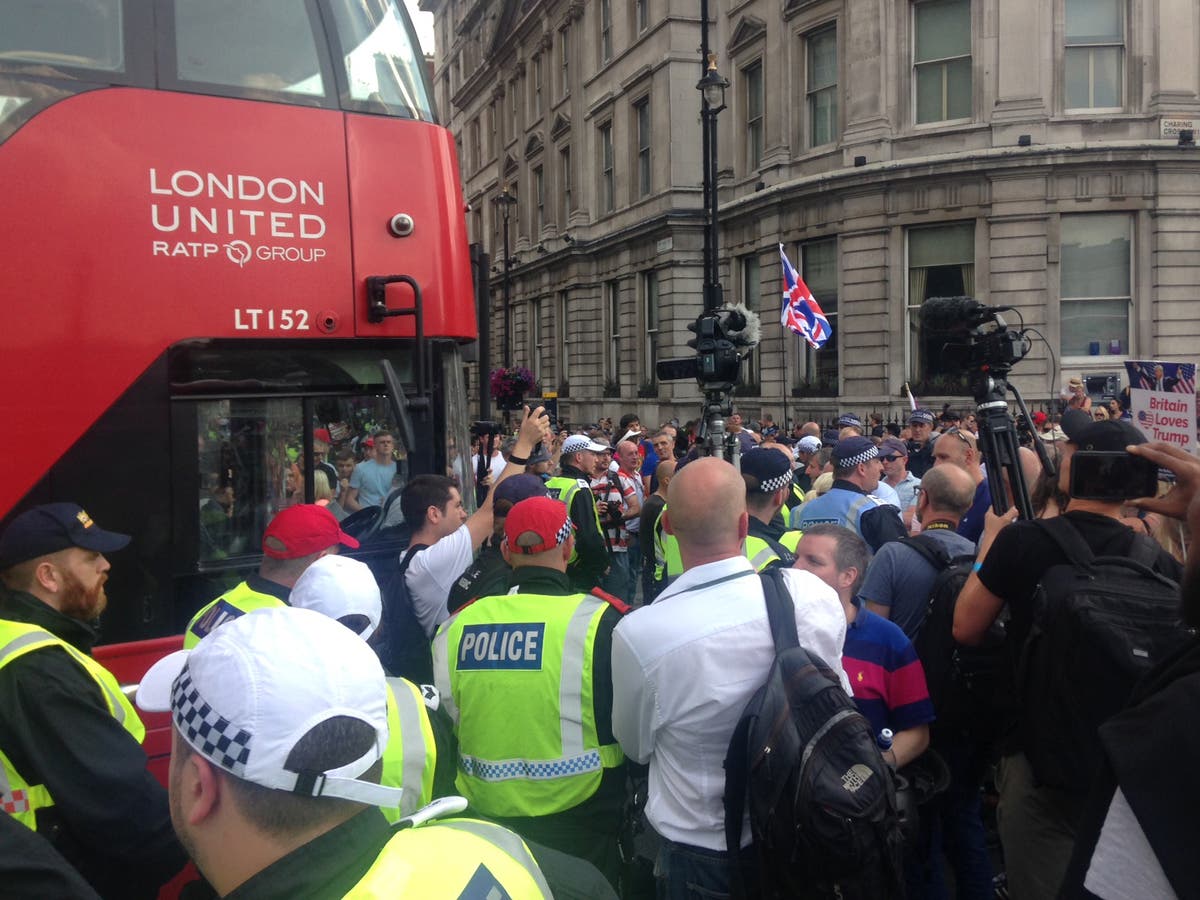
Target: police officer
{"x": 71, "y": 764}
{"x": 521, "y": 657}
{"x": 851, "y": 501}
{"x": 589, "y": 558}
{"x": 296, "y": 538}
{"x": 768, "y": 477}
{"x": 419, "y": 757}
{"x": 280, "y": 720}
{"x": 920, "y": 447}
{"x": 488, "y": 573}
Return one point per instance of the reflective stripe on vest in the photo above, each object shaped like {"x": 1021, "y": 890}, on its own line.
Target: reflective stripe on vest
{"x": 18, "y": 798}
{"x": 759, "y": 552}
{"x": 525, "y": 658}
{"x": 410, "y": 757}
{"x": 837, "y": 507}
{"x": 232, "y": 604}
{"x": 453, "y": 859}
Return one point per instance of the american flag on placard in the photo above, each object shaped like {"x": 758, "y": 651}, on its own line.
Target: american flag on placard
{"x": 801, "y": 313}
{"x": 1185, "y": 379}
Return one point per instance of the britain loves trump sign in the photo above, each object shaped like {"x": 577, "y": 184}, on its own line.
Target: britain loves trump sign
{"x": 1162, "y": 401}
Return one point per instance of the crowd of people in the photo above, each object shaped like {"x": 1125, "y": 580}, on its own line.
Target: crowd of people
{"x": 539, "y": 699}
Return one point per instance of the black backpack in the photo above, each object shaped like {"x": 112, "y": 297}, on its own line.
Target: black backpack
{"x": 804, "y": 760}
{"x": 1099, "y": 624}
{"x": 402, "y": 647}
{"x": 962, "y": 680}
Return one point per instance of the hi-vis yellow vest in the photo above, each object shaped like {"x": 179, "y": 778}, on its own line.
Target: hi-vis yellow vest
{"x": 668, "y": 565}
{"x": 19, "y": 798}
{"x": 410, "y": 757}
{"x": 563, "y": 488}
{"x": 450, "y": 859}
{"x": 233, "y": 603}
{"x": 519, "y": 667}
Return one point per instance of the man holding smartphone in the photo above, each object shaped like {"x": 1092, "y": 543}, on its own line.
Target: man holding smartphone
{"x": 1037, "y": 821}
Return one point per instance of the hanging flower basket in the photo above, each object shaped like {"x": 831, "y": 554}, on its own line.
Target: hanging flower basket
{"x": 509, "y": 386}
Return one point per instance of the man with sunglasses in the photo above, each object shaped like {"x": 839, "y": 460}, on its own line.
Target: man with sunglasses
{"x": 894, "y": 456}
{"x": 957, "y": 447}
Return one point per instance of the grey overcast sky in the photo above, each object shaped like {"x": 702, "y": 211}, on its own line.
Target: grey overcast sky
{"x": 423, "y": 22}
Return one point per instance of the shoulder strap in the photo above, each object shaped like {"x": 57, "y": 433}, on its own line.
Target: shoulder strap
{"x": 781, "y": 612}
{"x": 615, "y": 602}
{"x": 1068, "y": 539}
{"x": 737, "y": 774}
{"x": 412, "y": 551}
{"x": 933, "y": 552}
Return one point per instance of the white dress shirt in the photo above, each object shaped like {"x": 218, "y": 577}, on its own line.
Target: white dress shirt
{"x": 685, "y": 667}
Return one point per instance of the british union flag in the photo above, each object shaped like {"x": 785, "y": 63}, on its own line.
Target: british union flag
{"x": 801, "y": 312}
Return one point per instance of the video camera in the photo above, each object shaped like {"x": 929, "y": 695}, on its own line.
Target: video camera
{"x": 724, "y": 337}
{"x": 981, "y": 342}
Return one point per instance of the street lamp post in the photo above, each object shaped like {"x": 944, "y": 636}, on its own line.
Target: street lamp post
{"x": 504, "y": 201}
{"x": 712, "y": 87}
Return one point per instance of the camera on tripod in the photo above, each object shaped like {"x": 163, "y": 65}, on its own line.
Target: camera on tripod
{"x": 978, "y": 339}
{"x": 723, "y": 339}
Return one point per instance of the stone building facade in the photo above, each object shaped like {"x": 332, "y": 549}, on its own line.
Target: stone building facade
{"x": 1024, "y": 152}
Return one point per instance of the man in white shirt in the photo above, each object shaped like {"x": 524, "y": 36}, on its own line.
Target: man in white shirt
{"x": 685, "y": 667}
{"x": 446, "y": 536}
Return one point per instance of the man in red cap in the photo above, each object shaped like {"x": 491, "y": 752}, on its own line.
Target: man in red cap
{"x": 538, "y": 655}
{"x": 295, "y": 539}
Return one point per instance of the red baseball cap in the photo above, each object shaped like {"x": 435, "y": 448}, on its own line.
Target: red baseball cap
{"x": 322, "y": 435}
{"x": 543, "y": 516}
{"x": 303, "y": 529}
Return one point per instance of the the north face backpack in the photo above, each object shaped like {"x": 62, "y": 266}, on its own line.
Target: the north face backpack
{"x": 804, "y": 761}
{"x": 1099, "y": 624}
{"x": 962, "y": 680}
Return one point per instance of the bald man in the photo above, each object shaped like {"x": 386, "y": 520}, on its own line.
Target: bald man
{"x": 685, "y": 667}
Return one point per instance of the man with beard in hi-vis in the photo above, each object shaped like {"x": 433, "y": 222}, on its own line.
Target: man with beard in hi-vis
{"x": 71, "y": 763}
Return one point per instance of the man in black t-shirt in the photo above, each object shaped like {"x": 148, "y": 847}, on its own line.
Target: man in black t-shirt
{"x": 1038, "y": 822}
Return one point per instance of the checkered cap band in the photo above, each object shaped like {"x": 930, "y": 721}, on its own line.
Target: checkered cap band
{"x": 206, "y": 730}
{"x": 771, "y": 485}
{"x": 861, "y": 457}
{"x": 559, "y": 538}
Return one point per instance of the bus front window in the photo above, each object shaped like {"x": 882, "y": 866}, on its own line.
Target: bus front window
{"x": 266, "y": 45}
{"x": 382, "y": 57}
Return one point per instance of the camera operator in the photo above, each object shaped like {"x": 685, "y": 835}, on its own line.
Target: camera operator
{"x": 1037, "y": 821}
{"x": 1136, "y": 837}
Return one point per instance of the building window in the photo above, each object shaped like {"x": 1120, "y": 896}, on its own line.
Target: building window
{"x": 608, "y": 195}
{"x": 650, "y": 325}
{"x": 822, "y": 86}
{"x": 612, "y": 316}
{"x": 562, "y": 338}
{"x": 752, "y": 77}
{"x": 565, "y": 182}
{"x": 606, "y": 42}
{"x": 641, "y": 112}
{"x": 942, "y": 60}
{"x": 1096, "y": 293}
{"x": 941, "y": 263}
{"x": 819, "y": 269}
{"x": 641, "y": 14}
{"x": 535, "y": 337}
{"x": 752, "y": 298}
{"x": 564, "y": 62}
{"x": 539, "y": 200}
{"x": 537, "y": 87}
{"x": 493, "y": 124}
{"x": 476, "y": 161}
{"x": 514, "y": 111}
{"x": 477, "y": 223}
{"x": 1095, "y": 52}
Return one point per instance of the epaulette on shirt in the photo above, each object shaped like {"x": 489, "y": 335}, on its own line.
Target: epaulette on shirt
{"x": 615, "y": 602}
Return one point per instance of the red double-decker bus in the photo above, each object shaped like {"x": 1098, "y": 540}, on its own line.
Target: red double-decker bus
{"x": 231, "y": 232}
